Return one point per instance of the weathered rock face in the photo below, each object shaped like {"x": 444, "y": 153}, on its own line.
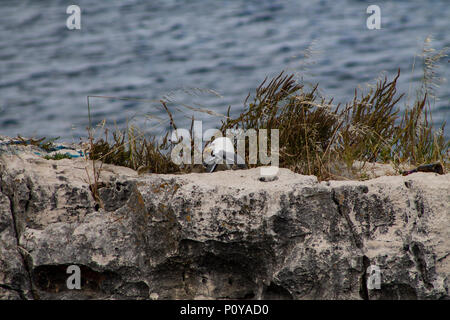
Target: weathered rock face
{"x": 225, "y": 235}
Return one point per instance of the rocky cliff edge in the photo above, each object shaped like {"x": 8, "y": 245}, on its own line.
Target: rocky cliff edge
{"x": 225, "y": 235}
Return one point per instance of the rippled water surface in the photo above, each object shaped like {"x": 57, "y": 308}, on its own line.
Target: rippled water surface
{"x": 149, "y": 49}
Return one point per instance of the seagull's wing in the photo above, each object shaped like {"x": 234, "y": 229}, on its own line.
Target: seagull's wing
{"x": 210, "y": 163}
{"x": 219, "y": 158}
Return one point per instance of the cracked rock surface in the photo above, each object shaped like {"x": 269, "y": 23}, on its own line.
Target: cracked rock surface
{"x": 225, "y": 235}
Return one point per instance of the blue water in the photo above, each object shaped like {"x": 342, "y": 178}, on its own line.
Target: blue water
{"x": 149, "y": 49}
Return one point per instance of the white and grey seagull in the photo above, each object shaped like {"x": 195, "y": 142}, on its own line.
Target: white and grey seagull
{"x": 222, "y": 156}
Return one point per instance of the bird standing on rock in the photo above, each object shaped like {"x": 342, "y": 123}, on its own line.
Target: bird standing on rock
{"x": 222, "y": 156}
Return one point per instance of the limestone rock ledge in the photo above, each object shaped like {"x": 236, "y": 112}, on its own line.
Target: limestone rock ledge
{"x": 225, "y": 235}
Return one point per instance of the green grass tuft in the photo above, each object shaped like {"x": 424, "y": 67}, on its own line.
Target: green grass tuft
{"x": 58, "y": 156}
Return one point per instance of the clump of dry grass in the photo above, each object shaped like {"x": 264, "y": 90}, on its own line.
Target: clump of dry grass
{"x": 131, "y": 148}
{"x": 417, "y": 141}
{"x": 305, "y": 121}
{"x": 369, "y": 124}
{"x": 315, "y": 137}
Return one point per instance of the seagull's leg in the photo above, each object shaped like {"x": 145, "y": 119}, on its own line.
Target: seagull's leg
{"x": 211, "y": 167}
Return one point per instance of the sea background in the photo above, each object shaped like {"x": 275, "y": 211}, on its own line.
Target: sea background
{"x": 200, "y": 53}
